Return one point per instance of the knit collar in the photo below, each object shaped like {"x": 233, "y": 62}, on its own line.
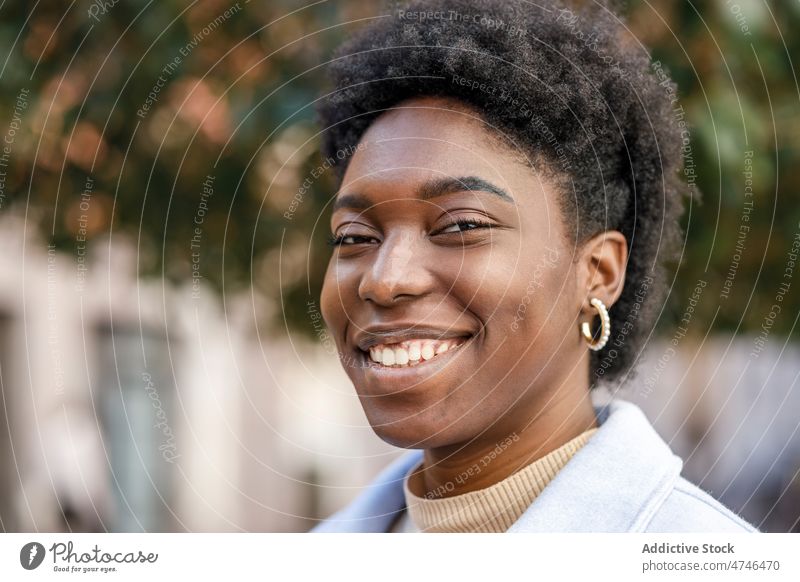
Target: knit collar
{"x": 491, "y": 509}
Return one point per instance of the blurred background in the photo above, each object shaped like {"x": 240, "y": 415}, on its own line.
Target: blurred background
{"x": 163, "y": 363}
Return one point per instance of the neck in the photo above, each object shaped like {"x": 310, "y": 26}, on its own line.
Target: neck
{"x": 496, "y": 454}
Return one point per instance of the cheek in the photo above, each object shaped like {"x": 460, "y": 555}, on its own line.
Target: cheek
{"x": 487, "y": 281}
{"x": 539, "y": 299}
{"x": 331, "y": 298}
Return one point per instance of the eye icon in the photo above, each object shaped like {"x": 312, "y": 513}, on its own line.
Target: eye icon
{"x": 31, "y": 555}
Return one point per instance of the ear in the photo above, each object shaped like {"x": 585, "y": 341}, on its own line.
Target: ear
{"x": 601, "y": 269}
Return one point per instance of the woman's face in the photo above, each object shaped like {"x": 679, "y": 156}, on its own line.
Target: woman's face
{"x": 451, "y": 294}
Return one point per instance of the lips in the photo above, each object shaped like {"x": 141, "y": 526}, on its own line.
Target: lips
{"x": 412, "y": 352}
{"x": 407, "y": 346}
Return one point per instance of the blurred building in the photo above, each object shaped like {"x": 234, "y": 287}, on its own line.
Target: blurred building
{"x": 135, "y": 406}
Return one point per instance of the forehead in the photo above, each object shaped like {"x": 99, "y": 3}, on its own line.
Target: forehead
{"x": 417, "y": 146}
{"x": 432, "y": 135}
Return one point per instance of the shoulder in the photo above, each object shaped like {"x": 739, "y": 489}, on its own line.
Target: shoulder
{"x": 377, "y": 505}
{"x": 687, "y": 508}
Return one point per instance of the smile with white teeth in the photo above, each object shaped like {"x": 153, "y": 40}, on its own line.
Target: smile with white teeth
{"x": 411, "y": 352}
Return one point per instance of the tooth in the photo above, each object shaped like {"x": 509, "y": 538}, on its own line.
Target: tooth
{"x": 427, "y": 351}
{"x": 375, "y": 355}
{"x": 387, "y": 358}
{"x": 442, "y": 348}
{"x": 401, "y": 356}
{"x": 414, "y": 351}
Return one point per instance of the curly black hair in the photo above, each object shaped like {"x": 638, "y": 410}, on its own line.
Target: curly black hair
{"x": 570, "y": 86}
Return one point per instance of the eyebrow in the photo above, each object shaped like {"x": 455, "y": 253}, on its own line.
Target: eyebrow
{"x": 430, "y": 190}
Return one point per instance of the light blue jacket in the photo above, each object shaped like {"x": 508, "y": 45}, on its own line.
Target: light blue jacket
{"x": 624, "y": 479}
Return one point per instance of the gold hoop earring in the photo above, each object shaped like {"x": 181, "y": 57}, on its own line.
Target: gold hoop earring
{"x": 605, "y": 327}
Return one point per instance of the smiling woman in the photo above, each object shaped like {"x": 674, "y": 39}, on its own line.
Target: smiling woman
{"x": 480, "y": 231}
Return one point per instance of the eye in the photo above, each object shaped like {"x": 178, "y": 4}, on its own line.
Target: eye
{"x": 463, "y": 225}
{"x": 348, "y": 240}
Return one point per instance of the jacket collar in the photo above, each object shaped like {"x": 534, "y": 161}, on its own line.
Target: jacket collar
{"x": 377, "y": 506}
{"x": 614, "y": 483}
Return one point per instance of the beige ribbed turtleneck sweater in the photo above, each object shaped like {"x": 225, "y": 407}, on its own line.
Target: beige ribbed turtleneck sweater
{"x": 493, "y": 509}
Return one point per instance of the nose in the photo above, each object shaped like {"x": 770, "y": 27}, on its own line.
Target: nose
{"x": 398, "y": 272}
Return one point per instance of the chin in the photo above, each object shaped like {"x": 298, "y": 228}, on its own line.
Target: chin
{"x": 412, "y": 429}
